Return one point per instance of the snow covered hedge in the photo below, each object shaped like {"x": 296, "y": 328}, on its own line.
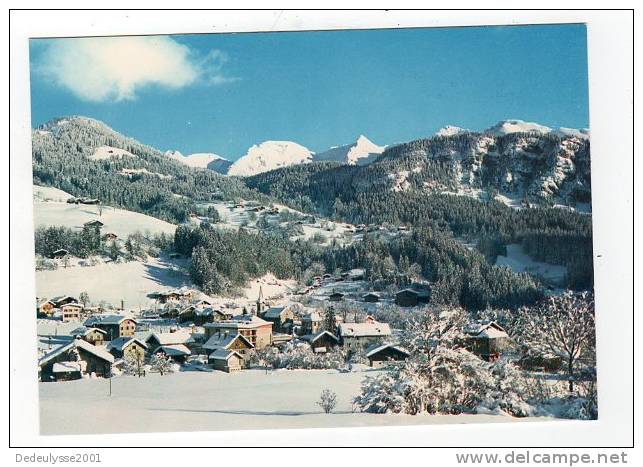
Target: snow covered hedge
{"x": 299, "y": 355}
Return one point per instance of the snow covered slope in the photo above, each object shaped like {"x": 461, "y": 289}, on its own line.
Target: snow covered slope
{"x": 450, "y": 130}
{"x": 204, "y": 160}
{"x": 270, "y": 155}
{"x": 506, "y": 127}
{"x": 360, "y": 152}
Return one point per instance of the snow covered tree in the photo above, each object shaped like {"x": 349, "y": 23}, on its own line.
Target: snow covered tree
{"x": 84, "y": 298}
{"x": 162, "y": 364}
{"x": 135, "y": 365}
{"x": 327, "y": 400}
{"x": 330, "y": 320}
{"x": 562, "y": 327}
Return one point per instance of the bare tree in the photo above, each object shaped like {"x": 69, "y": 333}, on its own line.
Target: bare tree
{"x": 327, "y": 400}
{"x": 563, "y": 327}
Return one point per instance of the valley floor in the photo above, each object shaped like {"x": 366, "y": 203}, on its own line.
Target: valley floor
{"x": 199, "y": 401}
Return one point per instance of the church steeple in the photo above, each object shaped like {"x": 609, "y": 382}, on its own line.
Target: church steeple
{"x": 260, "y": 301}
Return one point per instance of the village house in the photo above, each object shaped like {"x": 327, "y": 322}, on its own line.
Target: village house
{"x": 94, "y": 223}
{"x": 411, "y": 297}
{"x": 46, "y": 308}
{"x": 127, "y": 347}
{"x": 361, "y": 335}
{"x": 110, "y": 236}
{"x": 322, "y": 341}
{"x": 208, "y": 315}
{"x": 227, "y": 360}
{"x": 173, "y": 344}
{"x": 371, "y": 297}
{"x": 63, "y": 300}
{"x": 71, "y": 312}
{"x": 311, "y": 323}
{"x": 228, "y": 341}
{"x": 336, "y": 297}
{"x": 253, "y": 328}
{"x": 94, "y": 336}
{"x": 487, "y": 339}
{"x": 59, "y": 254}
{"x": 380, "y": 354}
{"x": 74, "y": 359}
{"x": 115, "y": 326}
{"x": 186, "y": 314}
{"x": 281, "y": 317}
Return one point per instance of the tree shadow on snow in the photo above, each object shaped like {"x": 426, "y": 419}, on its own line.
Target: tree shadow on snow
{"x": 281, "y": 413}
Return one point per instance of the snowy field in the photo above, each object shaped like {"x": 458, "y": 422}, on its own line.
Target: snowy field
{"x": 49, "y": 211}
{"x": 518, "y": 261}
{"x": 196, "y": 401}
{"x": 112, "y": 282}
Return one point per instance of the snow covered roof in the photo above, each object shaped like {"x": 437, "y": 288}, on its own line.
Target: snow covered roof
{"x": 67, "y": 367}
{"x": 107, "y": 319}
{"x": 175, "y": 350}
{"x": 240, "y": 322}
{"x": 224, "y": 340}
{"x": 223, "y": 354}
{"x": 376, "y": 348}
{"x": 123, "y": 342}
{"x": 312, "y": 316}
{"x": 99, "y": 352}
{"x": 171, "y": 338}
{"x": 274, "y": 312}
{"x": 364, "y": 329}
{"x": 485, "y": 329}
{"x": 84, "y": 330}
{"x": 312, "y": 338}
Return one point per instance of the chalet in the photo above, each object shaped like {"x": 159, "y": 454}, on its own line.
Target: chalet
{"x": 411, "y": 297}
{"x": 253, "y": 328}
{"x": 336, "y": 297}
{"x": 46, "y": 308}
{"x": 94, "y": 336}
{"x": 169, "y": 312}
{"x": 380, "y": 354}
{"x": 228, "y": 341}
{"x": 59, "y": 254}
{"x": 208, "y": 315}
{"x": 156, "y": 340}
{"x": 88, "y": 201}
{"x": 170, "y": 297}
{"x": 124, "y": 347}
{"x": 226, "y": 360}
{"x": 63, "y": 300}
{"x": 322, "y": 341}
{"x": 177, "y": 352}
{"x": 71, "y": 312}
{"x": 110, "y": 236}
{"x": 74, "y": 359}
{"x": 186, "y": 314}
{"x": 311, "y": 323}
{"x": 115, "y": 326}
{"x": 94, "y": 223}
{"x": 487, "y": 339}
{"x": 371, "y": 297}
{"x": 361, "y": 335}
{"x": 281, "y": 318}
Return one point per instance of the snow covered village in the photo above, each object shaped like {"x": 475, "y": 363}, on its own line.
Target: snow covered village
{"x": 430, "y": 275}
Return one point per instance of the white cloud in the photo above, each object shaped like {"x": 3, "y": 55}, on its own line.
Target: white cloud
{"x": 114, "y": 68}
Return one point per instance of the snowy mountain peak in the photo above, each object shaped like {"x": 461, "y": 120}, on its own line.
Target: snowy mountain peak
{"x": 270, "y": 155}
{"x": 362, "y": 151}
{"x": 506, "y": 127}
{"x": 450, "y": 130}
{"x": 197, "y": 160}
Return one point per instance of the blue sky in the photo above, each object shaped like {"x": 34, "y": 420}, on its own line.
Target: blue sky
{"x": 222, "y": 93}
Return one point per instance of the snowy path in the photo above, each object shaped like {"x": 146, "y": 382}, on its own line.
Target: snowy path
{"x": 193, "y": 401}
